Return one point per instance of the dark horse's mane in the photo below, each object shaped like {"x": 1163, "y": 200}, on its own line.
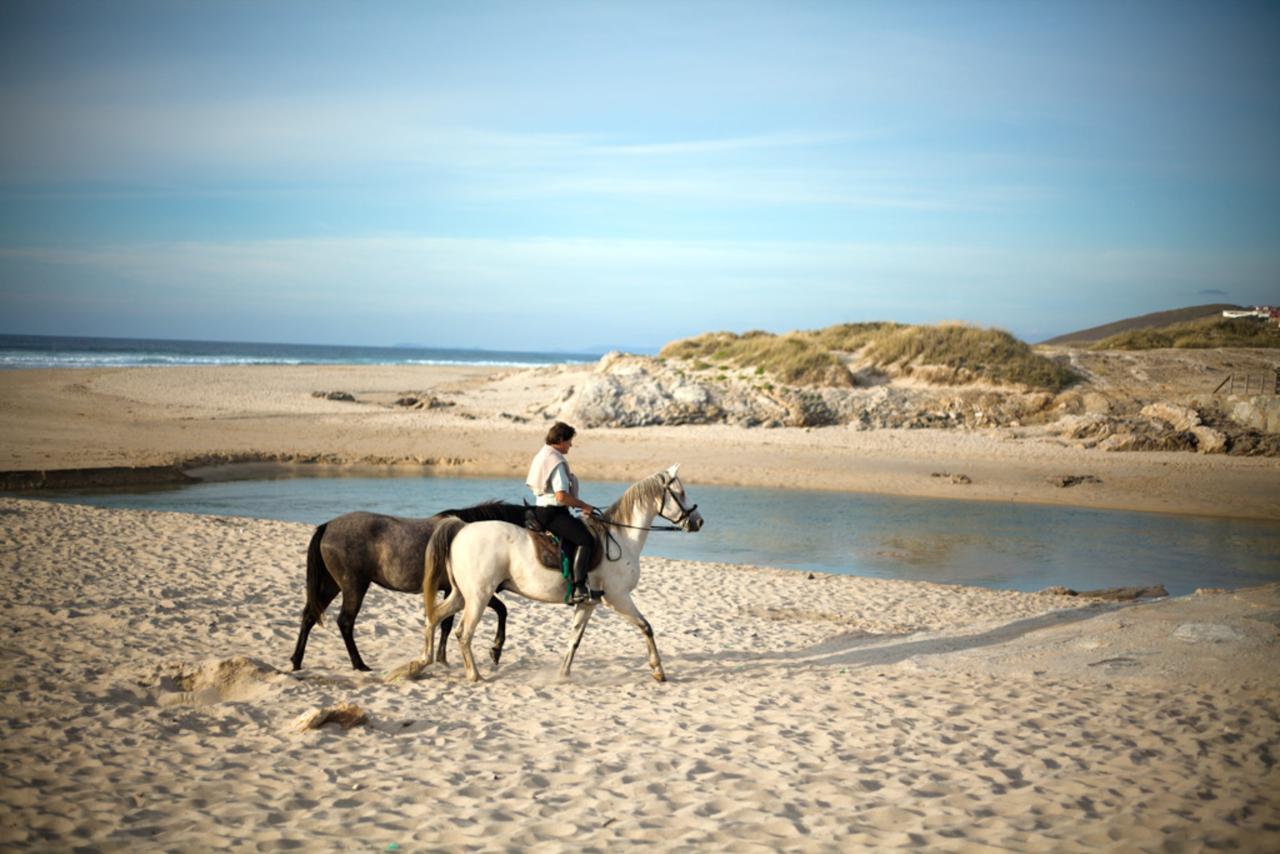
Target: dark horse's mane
{"x": 487, "y": 511}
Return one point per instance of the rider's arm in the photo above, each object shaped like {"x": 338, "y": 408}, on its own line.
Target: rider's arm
{"x": 560, "y": 483}
{"x": 568, "y": 500}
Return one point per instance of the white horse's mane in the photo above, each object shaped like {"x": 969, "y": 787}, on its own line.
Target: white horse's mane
{"x": 646, "y": 490}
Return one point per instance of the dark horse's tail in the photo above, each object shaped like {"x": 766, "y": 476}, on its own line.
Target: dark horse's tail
{"x": 316, "y": 572}
{"x": 437, "y": 563}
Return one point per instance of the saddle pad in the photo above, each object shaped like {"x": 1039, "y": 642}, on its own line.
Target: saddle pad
{"x": 549, "y": 551}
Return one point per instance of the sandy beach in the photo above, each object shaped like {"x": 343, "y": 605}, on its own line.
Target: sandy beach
{"x": 148, "y": 704}
{"x": 941, "y": 344}
{"x": 191, "y": 416}
{"x": 149, "y": 701}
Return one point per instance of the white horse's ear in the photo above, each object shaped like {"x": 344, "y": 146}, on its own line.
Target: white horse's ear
{"x": 671, "y": 472}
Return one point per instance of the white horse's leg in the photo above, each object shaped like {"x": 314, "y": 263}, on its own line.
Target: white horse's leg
{"x": 624, "y": 606}
{"x": 581, "y": 616}
{"x": 472, "y": 611}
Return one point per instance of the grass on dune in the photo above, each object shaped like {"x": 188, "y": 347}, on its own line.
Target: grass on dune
{"x": 953, "y": 354}
{"x": 791, "y": 358}
{"x": 1197, "y": 334}
{"x": 968, "y": 354}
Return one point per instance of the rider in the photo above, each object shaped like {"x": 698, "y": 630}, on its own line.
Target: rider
{"x": 555, "y": 492}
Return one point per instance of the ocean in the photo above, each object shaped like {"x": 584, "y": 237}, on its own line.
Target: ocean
{"x": 49, "y": 351}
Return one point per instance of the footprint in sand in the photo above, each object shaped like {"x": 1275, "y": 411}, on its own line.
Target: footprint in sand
{"x": 235, "y": 679}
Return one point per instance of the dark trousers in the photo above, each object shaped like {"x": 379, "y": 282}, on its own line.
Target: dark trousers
{"x": 572, "y": 533}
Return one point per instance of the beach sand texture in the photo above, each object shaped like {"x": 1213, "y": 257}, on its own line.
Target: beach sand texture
{"x": 147, "y": 704}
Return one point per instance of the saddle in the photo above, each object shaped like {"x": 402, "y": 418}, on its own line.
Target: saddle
{"x": 548, "y": 547}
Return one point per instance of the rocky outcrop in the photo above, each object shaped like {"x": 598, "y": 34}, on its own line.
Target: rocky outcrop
{"x": 1158, "y": 427}
{"x": 638, "y": 391}
{"x": 635, "y": 391}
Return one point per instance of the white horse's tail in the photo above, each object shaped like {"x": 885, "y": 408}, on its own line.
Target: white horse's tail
{"x": 436, "y": 571}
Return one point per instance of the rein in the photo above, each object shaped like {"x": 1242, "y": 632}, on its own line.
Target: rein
{"x": 612, "y": 524}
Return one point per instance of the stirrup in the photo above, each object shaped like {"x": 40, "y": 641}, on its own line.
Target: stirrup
{"x": 579, "y": 597}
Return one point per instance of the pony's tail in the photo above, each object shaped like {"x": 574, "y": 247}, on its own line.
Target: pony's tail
{"x": 437, "y": 568}
{"x": 316, "y": 571}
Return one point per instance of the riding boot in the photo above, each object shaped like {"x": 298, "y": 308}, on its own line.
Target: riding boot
{"x": 581, "y": 564}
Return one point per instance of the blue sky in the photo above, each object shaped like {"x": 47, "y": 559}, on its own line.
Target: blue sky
{"x": 577, "y": 175}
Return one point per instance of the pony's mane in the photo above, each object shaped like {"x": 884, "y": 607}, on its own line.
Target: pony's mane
{"x": 646, "y": 490}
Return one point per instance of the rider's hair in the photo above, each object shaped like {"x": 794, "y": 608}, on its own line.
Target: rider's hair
{"x": 560, "y": 432}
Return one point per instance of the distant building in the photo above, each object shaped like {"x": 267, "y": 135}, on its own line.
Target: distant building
{"x": 1262, "y": 312}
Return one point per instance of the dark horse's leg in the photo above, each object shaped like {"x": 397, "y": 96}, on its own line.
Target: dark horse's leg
{"x": 501, "y": 637}
{"x": 446, "y": 625}
{"x": 351, "y": 601}
{"x": 311, "y": 615}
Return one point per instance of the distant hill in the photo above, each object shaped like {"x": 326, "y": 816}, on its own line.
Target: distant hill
{"x": 1147, "y": 321}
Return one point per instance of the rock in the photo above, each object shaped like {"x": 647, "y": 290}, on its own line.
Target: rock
{"x": 1096, "y": 403}
{"x": 1251, "y": 443}
{"x": 1209, "y": 441}
{"x": 1180, "y": 418}
{"x": 1126, "y": 594}
{"x": 1063, "y": 481}
{"x": 1147, "y": 438}
{"x": 407, "y": 401}
{"x": 334, "y": 395}
{"x": 1246, "y": 414}
{"x": 1207, "y": 633}
{"x": 1090, "y": 426}
{"x": 1114, "y": 594}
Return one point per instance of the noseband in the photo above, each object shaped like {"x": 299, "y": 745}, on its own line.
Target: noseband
{"x": 684, "y": 514}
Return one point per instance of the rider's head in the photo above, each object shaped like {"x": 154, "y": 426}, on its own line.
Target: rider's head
{"x": 560, "y": 433}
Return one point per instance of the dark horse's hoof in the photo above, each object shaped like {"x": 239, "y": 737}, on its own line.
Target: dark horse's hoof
{"x": 495, "y": 653}
{"x": 362, "y": 666}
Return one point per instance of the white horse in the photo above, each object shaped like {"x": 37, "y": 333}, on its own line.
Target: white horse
{"x": 482, "y": 558}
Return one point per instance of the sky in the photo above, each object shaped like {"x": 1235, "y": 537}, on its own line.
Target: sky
{"x": 583, "y": 176}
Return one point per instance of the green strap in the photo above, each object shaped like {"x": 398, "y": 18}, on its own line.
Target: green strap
{"x": 566, "y": 570}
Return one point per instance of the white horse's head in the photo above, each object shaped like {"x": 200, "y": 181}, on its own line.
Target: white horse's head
{"x": 675, "y": 507}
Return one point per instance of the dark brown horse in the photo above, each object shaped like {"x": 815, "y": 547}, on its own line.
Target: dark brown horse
{"x": 349, "y": 553}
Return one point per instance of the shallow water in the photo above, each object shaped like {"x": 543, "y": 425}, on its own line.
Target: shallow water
{"x": 989, "y": 544}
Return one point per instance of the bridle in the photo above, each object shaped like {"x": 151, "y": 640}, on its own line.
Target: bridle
{"x": 675, "y": 526}
{"x": 668, "y": 492}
